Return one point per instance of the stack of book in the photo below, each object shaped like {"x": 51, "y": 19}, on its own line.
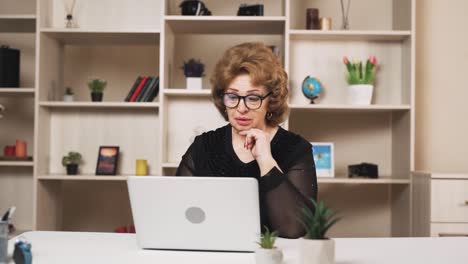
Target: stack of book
{"x": 145, "y": 89}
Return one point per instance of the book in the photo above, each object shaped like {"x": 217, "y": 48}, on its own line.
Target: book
{"x": 138, "y": 89}
{"x": 154, "y": 92}
{"x": 132, "y": 90}
{"x": 147, "y": 93}
{"x": 144, "y": 89}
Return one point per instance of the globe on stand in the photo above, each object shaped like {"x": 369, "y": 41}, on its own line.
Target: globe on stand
{"x": 311, "y": 88}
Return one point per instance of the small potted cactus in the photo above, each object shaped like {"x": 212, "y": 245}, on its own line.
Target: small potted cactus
{"x": 194, "y": 72}
{"x": 68, "y": 95}
{"x": 316, "y": 247}
{"x": 268, "y": 253}
{"x": 71, "y": 162}
{"x": 96, "y": 86}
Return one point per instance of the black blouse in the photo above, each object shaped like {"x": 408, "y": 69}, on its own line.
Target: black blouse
{"x": 281, "y": 194}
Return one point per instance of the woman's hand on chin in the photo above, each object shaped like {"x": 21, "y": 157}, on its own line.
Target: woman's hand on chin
{"x": 258, "y": 142}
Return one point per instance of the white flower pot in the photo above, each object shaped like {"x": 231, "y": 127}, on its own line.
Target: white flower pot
{"x": 68, "y": 98}
{"x": 194, "y": 83}
{"x": 317, "y": 251}
{"x": 360, "y": 94}
{"x": 268, "y": 256}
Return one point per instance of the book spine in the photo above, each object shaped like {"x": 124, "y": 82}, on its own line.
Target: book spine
{"x": 155, "y": 91}
{"x": 138, "y": 89}
{"x": 147, "y": 92}
{"x": 135, "y": 85}
{"x": 144, "y": 89}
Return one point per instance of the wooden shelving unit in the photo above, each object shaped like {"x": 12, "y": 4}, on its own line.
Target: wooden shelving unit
{"x": 155, "y": 40}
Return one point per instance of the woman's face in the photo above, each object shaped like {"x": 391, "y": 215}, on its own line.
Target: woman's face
{"x": 241, "y": 117}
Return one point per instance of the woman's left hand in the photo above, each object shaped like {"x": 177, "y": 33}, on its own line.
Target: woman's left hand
{"x": 258, "y": 142}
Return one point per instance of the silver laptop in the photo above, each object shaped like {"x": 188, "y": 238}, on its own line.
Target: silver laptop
{"x": 195, "y": 213}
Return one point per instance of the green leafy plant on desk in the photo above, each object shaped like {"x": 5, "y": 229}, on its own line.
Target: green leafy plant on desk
{"x": 97, "y": 86}
{"x": 316, "y": 246}
{"x": 71, "y": 162}
{"x": 268, "y": 253}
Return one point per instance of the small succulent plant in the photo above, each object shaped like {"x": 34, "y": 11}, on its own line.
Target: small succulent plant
{"x": 68, "y": 91}
{"x": 317, "y": 222}
{"x": 97, "y": 85}
{"x": 193, "y": 68}
{"x": 267, "y": 239}
{"x": 71, "y": 158}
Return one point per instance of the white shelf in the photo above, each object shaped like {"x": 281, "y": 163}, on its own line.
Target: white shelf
{"x": 350, "y": 35}
{"x": 226, "y": 24}
{"x": 16, "y": 92}
{"x": 185, "y": 92}
{"x": 99, "y": 105}
{"x": 342, "y": 180}
{"x": 95, "y": 36}
{"x": 170, "y": 165}
{"x": 349, "y": 108}
{"x": 23, "y": 17}
{"x": 86, "y": 177}
{"x": 16, "y": 163}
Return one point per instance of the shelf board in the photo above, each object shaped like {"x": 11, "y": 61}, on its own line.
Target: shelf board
{"x": 109, "y": 37}
{"x": 185, "y": 92}
{"x": 382, "y": 180}
{"x": 18, "y": 23}
{"x": 226, "y": 24}
{"x": 170, "y": 165}
{"x": 85, "y": 177}
{"x": 16, "y": 92}
{"x": 17, "y": 233}
{"x": 16, "y": 163}
{"x": 350, "y": 108}
{"x": 99, "y": 105}
{"x": 350, "y": 35}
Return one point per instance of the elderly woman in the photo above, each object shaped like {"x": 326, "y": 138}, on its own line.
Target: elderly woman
{"x": 250, "y": 91}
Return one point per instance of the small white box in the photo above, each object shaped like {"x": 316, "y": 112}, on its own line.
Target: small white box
{"x": 194, "y": 83}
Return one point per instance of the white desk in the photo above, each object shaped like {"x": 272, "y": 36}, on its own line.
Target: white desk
{"x": 66, "y": 247}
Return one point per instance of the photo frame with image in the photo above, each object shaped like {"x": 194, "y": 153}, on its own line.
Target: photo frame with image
{"x": 324, "y": 159}
{"x": 107, "y": 162}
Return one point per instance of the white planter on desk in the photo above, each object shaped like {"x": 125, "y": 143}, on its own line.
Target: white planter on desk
{"x": 360, "y": 94}
{"x": 68, "y": 98}
{"x": 317, "y": 251}
{"x": 194, "y": 83}
{"x": 268, "y": 256}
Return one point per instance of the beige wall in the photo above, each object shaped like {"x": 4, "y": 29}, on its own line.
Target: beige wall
{"x": 442, "y": 87}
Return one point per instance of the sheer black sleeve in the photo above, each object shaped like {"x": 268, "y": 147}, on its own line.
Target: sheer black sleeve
{"x": 187, "y": 165}
{"x": 285, "y": 193}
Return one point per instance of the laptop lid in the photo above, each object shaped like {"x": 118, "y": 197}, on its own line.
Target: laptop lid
{"x": 195, "y": 213}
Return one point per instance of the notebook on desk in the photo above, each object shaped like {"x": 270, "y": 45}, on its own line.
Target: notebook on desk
{"x": 195, "y": 213}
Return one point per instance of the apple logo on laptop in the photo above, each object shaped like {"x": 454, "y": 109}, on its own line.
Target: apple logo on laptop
{"x": 195, "y": 215}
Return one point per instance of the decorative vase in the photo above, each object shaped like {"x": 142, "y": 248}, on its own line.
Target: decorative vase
{"x": 194, "y": 83}
{"x": 268, "y": 256}
{"x": 141, "y": 167}
{"x": 317, "y": 251}
{"x": 360, "y": 94}
{"x": 72, "y": 169}
{"x": 68, "y": 98}
{"x": 96, "y": 97}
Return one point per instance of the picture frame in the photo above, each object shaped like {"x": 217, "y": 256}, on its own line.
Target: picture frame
{"x": 107, "y": 162}
{"x": 324, "y": 158}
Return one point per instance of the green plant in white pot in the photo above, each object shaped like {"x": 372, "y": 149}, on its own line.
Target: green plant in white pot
{"x": 316, "y": 247}
{"x": 71, "y": 162}
{"x": 360, "y": 79}
{"x": 97, "y": 86}
{"x": 268, "y": 253}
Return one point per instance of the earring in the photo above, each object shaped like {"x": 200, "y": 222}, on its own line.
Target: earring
{"x": 269, "y": 115}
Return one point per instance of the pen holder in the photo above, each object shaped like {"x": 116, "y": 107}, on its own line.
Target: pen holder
{"x": 141, "y": 167}
{"x": 3, "y": 242}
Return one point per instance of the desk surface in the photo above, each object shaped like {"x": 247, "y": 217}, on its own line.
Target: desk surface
{"x": 69, "y": 247}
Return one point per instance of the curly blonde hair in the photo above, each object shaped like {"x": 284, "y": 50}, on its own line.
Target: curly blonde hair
{"x": 264, "y": 68}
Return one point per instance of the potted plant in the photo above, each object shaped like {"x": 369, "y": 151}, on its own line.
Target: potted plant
{"x": 71, "y": 162}
{"x": 97, "y": 87}
{"x": 360, "y": 79}
{"x": 316, "y": 247}
{"x": 193, "y": 71}
{"x": 268, "y": 253}
{"x": 68, "y": 95}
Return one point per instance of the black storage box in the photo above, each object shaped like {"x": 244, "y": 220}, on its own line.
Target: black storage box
{"x": 9, "y": 67}
{"x": 367, "y": 170}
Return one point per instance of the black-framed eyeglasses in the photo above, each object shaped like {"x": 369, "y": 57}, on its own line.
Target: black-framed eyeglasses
{"x": 251, "y": 101}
